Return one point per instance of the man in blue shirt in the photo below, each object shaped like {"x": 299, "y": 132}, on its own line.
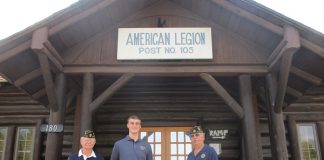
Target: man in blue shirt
{"x": 132, "y": 147}
{"x": 87, "y": 141}
{"x": 201, "y": 151}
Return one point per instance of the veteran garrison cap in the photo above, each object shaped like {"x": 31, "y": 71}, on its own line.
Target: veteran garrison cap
{"x": 89, "y": 134}
{"x": 196, "y": 129}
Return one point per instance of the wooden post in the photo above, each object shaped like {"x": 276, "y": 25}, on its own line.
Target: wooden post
{"x": 38, "y": 141}
{"x": 276, "y": 123}
{"x": 320, "y": 127}
{"x": 292, "y": 127}
{"x": 87, "y": 94}
{"x": 253, "y": 150}
{"x": 9, "y": 147}
{"x": 54, "y": 140}
{"x": 77, "y": 126}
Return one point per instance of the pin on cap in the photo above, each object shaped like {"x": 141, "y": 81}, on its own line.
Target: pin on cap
{"x": 89, "y": 134}
{"x": 196, "y": 129}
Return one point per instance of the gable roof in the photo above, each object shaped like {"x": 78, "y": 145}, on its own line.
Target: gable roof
{"x": 86, "y": 20}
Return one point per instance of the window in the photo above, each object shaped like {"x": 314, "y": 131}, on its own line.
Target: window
{"x": 308, "y": 142}
{"x": 3, "y": 136}
{"x": 168, "y": 143}
{"x": 24, "y": 143}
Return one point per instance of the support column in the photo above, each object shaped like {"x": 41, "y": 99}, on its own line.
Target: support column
{"x": 276, "y": 122}
{"x": 77, "y": 126}
{"x": 87, "y": 94}
{"x": 253, "y": 149}
{"x": 54, "y": 140}
{"x": 320, "y": 128}
{"x": 293, "y": 138}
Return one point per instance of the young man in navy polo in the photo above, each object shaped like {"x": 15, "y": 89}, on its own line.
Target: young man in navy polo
{"x": 201, "y": 151}
{"x": 132, "y": 147}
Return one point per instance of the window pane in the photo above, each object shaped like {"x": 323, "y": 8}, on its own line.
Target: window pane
{"x": 158, "y": 149}
{"x": 157, "y": 158}
{"x": 180, "y": 136}
{"x": 3, "y": 135}
{"x": 188, "y": 148}
{"x": 181, "y": 158}
{"x": 173, "y": 157}
{"x": 308, "y": 142}
{"x": 173, "y": 137}
{"x": 25, "y": 139}
{"x": 181, "y": 149}
{"x": 173, "y": 149}
{"x": 158, "y": 136}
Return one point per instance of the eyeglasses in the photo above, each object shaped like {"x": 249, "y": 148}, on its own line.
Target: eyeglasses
{"x": 194, "y": 135}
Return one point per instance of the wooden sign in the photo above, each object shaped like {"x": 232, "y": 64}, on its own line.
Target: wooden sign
{"x": 51, "y": 128}
{"x": 216, "y": 133}
{"x": 164, "y": 43}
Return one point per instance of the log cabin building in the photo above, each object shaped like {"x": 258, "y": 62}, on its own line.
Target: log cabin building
{"x": 260, "y": 95}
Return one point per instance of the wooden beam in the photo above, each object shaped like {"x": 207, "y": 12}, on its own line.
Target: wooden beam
{"x": 110, "y": 91}
{"x": 292, "y": 37}
{"x": 169, "y": 70}
{"x": 53, "y": 51}
{"x": 28, "y": 77}
{"x": 39, "y": 37}
{"x": 251, "y": 137}
{"x": 15, "y": 51}
{"x": 305, "y": 76}
{"x": 54, "y": 60}
{"x": 293, "y": 92}
{"x": 48, "y": 81}
{"x": 266, "y": 24}
{"x": 229, "y": 100}
{"x": 275, "y": 55}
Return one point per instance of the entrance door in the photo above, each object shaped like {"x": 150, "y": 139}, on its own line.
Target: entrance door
{"x": 168, "y": 143}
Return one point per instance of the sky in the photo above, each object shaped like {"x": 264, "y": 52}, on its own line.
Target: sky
{"x": 16, "y": 15}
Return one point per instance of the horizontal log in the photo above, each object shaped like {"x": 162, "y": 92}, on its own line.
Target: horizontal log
{"x": 168, "y": 70}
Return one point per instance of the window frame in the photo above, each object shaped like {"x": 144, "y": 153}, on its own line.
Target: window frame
{"x": 315, "y": 131}
{"x": 17, "y": 140}
{"x": 4, "y": 142}
{"x": 293, "y": 120}
{"x": 12, "y": 123}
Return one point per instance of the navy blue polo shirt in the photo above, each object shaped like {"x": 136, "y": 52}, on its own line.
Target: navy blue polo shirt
{"x": 128, "y": 149}
{"x": 206, "y": 153}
